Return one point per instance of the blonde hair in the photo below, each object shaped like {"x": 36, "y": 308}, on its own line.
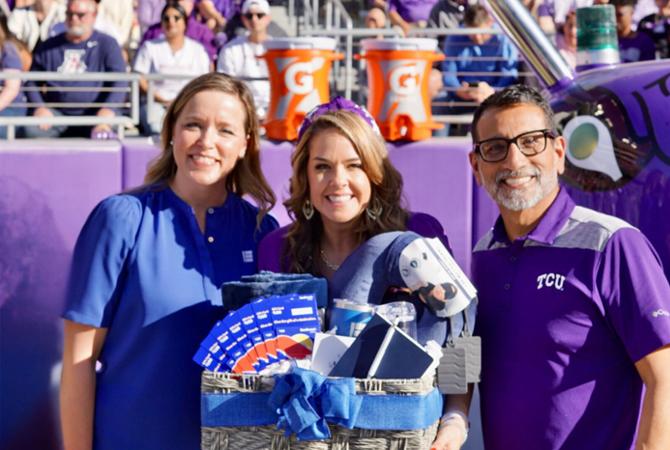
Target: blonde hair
{"x": 246, "y": 177}
{"x": 303, "y": 237}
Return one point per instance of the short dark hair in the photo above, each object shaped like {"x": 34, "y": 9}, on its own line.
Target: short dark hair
{"x": 475, "y": 16}
{"x": 511, "y": 96}
{"x": 623, "y": 2}
{"x": 174, "y": 4}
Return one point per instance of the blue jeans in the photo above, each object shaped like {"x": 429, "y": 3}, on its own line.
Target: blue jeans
{"x": 11, "y": 111}
{"x": 368, "y": 273}
{"x": 35, "y": 132}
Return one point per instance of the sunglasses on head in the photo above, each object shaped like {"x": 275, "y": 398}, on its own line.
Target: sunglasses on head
{"x": 170, "y": 18}
{"x": 251, "y": 15}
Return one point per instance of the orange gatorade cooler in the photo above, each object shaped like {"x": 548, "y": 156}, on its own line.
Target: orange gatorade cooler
{"x": 398, "y": 71}
{"x": 298, "y": 69}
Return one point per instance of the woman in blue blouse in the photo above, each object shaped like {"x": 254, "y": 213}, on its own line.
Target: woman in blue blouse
{"x": 147, "y": 268}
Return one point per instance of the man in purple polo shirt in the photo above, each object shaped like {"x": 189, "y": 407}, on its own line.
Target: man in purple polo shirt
{"x": 574, "y": 308}
{"x": 194, "y": 30}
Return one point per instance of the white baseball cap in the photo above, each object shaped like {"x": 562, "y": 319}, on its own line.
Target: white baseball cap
{"x": 261, "y": 6}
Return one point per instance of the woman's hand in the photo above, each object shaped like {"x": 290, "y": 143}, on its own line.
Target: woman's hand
{"x": 454, "y": 426}
{"x": 450, "y": 436}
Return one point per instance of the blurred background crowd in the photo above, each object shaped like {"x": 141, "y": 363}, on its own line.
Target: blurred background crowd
{"x": 170, "y": 41}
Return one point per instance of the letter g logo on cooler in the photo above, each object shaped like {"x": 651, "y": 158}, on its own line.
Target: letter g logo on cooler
{"x": 299, "y": 79}
{"x": 404, "y": 80}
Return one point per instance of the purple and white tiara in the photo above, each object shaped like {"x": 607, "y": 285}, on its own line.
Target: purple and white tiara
{"x": 337, "y": 104}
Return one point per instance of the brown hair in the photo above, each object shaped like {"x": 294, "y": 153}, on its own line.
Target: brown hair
{"x": 476, "y": 16}
{"x": 246, "y": 177}
{"x": 303, "y": 237}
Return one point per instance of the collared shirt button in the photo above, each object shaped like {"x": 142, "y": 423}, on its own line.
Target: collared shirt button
{"x": 210, "y": 239}
{"x": 210, "y": 210}
{"x": 507, "y": 286}
{"x": 512, "y": 258}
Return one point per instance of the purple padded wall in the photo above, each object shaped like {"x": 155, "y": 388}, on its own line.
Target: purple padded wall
{"x": 438, "y": 181}
{"x": 276, "y": 165}
{"x": 136, "y": 155}
{"x": 47, "y": 189}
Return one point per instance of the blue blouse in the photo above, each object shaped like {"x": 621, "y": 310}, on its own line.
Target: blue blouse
{"x": 143, "y": 269}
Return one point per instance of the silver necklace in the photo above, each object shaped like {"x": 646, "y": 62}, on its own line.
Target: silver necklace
{"x": 328, "y": 264}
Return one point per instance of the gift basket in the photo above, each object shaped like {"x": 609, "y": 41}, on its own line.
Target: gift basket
{"x": 274, "y": 380}
{"x": 228, "y": 402}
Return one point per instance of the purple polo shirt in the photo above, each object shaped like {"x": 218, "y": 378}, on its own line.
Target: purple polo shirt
{"x": 412, "y": 10}
{"x": 564, "y": 313}
{"x": 638, "y": 47}
{"x": 195, "y": 30}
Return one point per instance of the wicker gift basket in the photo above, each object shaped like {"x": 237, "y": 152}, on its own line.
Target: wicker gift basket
{"x": 411, "y": 406}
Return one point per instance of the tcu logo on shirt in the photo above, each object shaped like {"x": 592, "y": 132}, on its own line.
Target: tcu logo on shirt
{"x": 554, "y": 280}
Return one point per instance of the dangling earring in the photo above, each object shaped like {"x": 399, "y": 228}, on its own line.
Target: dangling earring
{"x": 374, "y": 212}
{"x": 308, "y": 210}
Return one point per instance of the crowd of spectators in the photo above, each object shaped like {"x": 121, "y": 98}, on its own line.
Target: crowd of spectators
{"x": 167, "y": 37}
{"x": 190, "y": 37}
{"x": 642, "y": 26}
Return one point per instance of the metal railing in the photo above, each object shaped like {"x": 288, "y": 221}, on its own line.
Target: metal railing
{"x": 330, "y": 19}
{"x": 120, "y": 122}
{"x": 128, "y": 112}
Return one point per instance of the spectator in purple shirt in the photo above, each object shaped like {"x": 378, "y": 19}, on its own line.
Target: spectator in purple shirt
{"x": 194, "y": 30}
{"x": 217, "y": 13}
{"x": 574, "y": 307}
{"x": 408, "y": 14}
{"x": 80, "y": 49}
{"x": 633, "y": 46}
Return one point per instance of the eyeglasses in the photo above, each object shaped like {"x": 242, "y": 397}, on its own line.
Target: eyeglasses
{"x": 529, "y": 143}
{"x": 250, "y": 15}
{"x": 78, "y": 15}
{"x": 168, "y": 18}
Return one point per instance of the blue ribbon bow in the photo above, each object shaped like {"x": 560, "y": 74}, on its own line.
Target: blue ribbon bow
{"x": 304, "y": 400}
